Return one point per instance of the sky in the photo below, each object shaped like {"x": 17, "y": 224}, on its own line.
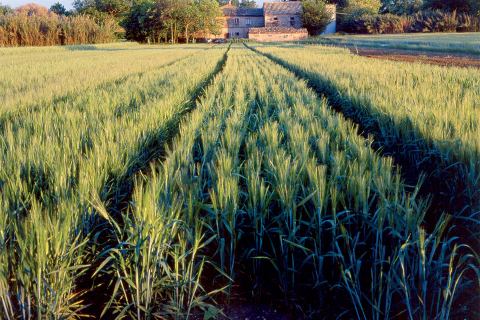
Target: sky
{"x": 48, "y": 3}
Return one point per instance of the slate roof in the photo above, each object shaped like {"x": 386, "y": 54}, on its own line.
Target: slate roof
{"x": 265, "y": 30}
{"x": 232, "y": 11}
{"x": 279, "y": 8}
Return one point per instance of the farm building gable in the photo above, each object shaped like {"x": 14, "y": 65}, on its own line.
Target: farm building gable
{"x": 232, "y": 11}
{"x": 282, "y": 8}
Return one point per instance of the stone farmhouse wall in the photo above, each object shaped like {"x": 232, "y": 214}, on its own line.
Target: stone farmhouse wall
{"x": 283, "y": 14}
{"x": 283, "y": 20}
{"x": 237, "y": 27}
{"x": 273, "y": 34}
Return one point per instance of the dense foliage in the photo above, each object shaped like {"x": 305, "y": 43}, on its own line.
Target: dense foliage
{"x": 59, "y": 9}
{"x": 170, "y": 20}
{"x": 470, "y": 6}
{"x": 402, "y": 6}
{"x": 398, "y": 16}
{"x": 422, "y": 21}
{"x": 315, "y": 16}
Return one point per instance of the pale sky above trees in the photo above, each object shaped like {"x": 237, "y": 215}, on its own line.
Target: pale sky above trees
{"x": 46, "y": 3}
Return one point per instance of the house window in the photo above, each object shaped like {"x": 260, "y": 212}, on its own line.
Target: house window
{"x": 236, "y": 21}
{"x": 248, "y": 22}
{"x": 292, "y": 21}
{"x": 237, "y": 34}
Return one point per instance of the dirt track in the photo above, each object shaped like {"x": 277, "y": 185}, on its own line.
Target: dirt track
{"x": 422, "y": 57}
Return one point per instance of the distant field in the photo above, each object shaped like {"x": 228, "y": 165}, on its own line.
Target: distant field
{"x": 38, "y": 74}
{"x": 461, "y": 43}
{"x": 171, "y": 182}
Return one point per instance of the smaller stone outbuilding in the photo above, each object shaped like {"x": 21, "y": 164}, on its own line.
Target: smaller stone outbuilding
{"x": 283, "y": 14}
{"x": 277, "y": 34}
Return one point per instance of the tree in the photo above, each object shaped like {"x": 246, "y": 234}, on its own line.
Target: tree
{"x": 136, "y": 23}
{"x": 315, "y": 16}
{"x": 198, "y": 16}
{"x": 402, "y": 7}
{"x": 208, "y": 12}
{"x": 239, "y": 3}
{"x": 5, "y": 9}
{"x": 99, "y": 8}
{"x": 469, "y": 6}
{"x": 59, "y": 9}
{"x": 170, "y": 19}
{"x": 247, "y": 4}
{"x": 366, "y": 6}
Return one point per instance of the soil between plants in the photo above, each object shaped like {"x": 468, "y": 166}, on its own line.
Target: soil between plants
{"x": 435, "y": 58}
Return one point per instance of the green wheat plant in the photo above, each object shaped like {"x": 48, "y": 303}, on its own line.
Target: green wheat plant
{"x": 203, "y": 176}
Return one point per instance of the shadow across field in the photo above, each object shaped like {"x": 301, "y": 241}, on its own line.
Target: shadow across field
{"x": 445, "y": 184}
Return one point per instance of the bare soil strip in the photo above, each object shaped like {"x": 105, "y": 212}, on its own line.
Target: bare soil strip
{"x": 435, "y": 58}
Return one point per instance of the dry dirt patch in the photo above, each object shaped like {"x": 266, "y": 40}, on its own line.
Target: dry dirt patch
{"x": 435, "y": 58}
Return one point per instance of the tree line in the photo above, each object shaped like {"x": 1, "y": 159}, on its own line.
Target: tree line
{"x": 155, "y": 21}
{"x": 172, "y": 21}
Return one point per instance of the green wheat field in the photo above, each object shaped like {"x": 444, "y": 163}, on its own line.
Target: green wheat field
{"x": 171, "y": 182}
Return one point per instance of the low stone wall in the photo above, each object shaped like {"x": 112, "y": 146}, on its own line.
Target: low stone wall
{"x": 269, "y": 34}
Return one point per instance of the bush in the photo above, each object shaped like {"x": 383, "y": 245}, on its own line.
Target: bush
{"x": 425, "y": 21}
{"x": 51, "y": 29}
{"x": 315, "y": 16}
{"x": 439, "y": 21}
{"x": 374, "y": 23}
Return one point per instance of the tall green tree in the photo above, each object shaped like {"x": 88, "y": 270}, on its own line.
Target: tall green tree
{"x": 5, "y": 9}
{"x": 370, "y": 6}
{"x": 169, "y": 20}
{"x": 137, "y": 23}
{"x": 402, "y": 7}
{"x": 247, "y": 4}
{"x": 112, "y": 8}
{"x": 315, "y": 16}
{"x": 59, "y": 9}
{"x": 469, "y": 6}
{"x": 239, "y": 3}
{"x": 208, "y": 13}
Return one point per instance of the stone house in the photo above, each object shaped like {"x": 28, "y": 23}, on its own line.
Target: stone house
{"x": 287, "y": 14}
{"x": 275, "y": 21}
{"x": 238, "y": 21}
